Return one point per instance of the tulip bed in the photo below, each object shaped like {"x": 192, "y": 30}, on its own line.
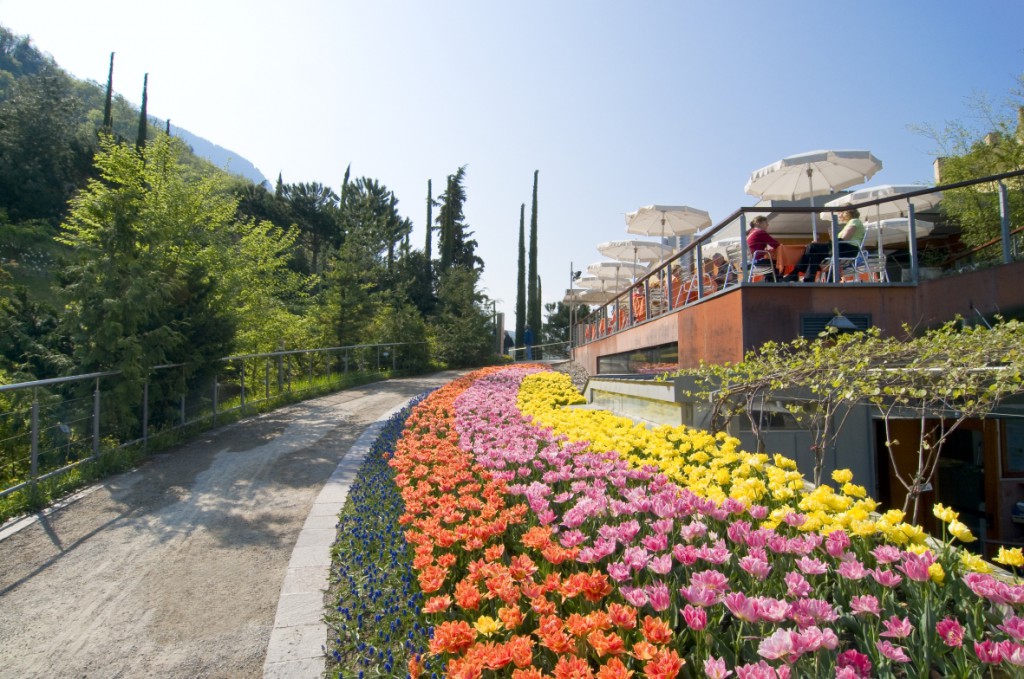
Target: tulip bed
{"x": 555, "y": 542}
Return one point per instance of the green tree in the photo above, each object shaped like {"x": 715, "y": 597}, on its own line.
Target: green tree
{"x": 140, "y": 139}
{"x": 141, "y": 289}
{"x": 42, "y": 154}
{"x": 428, "y": 246}
{"x": 556, "y": 328}
{"x": 396, "y": 321}
{"x": 456, "y": 246}
{"x": 108, "y": 106}
{"x": 521, "y": 279}
{"x": 462, "y": 332}
{"x": 314, "y": 208}
{"x": 993, "y": 146}
{"x": 533, "y": 303}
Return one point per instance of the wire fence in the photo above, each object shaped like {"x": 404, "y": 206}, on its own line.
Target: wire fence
{"x": 51, "y": 427}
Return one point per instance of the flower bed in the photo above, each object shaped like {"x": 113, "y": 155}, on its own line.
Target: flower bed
{"x": 552, "y": 542}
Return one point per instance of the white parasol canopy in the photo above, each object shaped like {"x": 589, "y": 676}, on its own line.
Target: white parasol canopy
{"x": 666, "y": 220}
{"x": 892, "y": 209}
{"x": 587, "y": 297}
{"x": 615, "y": 270}
{"x": 635, "y": 250}
{"x": 895, "y": 231}
{"x": 811, "y": 174}
{"x": 591, "y": 282}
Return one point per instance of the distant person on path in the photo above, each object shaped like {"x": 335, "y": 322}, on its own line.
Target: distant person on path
{"x": 528, "y": 343}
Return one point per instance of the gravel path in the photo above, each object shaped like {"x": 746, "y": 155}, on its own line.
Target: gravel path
{"x": 175, "y": 569}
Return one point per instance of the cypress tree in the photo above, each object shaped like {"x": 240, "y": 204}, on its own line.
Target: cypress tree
{"x": 430, "y": 222}
{"x": 167, "y": 130}
{"x": 108, "y": 107}
{"x": 140, "y": 141}
{"x": 521, "y": 279}
{"x": 533, "y": 304}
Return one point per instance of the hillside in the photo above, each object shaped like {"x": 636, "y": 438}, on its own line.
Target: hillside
{"x": 223, "y": 158}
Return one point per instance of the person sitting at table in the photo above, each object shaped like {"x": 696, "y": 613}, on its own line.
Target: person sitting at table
{"x": 759, "y": 240}
{"x": 721, "y": 270}
{"x": 850, "y": 239}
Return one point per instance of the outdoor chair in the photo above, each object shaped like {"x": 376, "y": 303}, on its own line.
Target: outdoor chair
{"x": 846, "y": 269}
{"x": 872, "y": 267}
{"x": 762, "y": 265}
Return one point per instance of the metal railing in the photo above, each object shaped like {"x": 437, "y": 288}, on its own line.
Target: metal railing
{"x": 541, "y": 352}
{"x": 50, "y": 427}
{"x": 681, "y": 280}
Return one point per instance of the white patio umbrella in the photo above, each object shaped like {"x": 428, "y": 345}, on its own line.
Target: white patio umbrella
{"x": 897, "y": 207}
{"x": 895, "y": 231}
{"x": 591, "y": 282}
{"x": 635, "y": 250}
{"x": 613, "y": 270}
{"x": 587, "y": 297}
{"x": 666, "y": 220}
{"x": 811, "y": 174}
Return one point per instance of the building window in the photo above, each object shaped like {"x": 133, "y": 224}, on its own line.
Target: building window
{"x": 650, "y": 361}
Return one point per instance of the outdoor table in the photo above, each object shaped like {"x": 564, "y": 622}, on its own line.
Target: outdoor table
{"x": 787, "y": 255}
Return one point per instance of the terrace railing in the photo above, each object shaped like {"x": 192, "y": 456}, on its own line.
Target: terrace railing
{"x": 659, "y": 292}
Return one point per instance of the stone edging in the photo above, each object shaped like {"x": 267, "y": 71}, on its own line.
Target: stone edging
{"x": 296, "y": 648}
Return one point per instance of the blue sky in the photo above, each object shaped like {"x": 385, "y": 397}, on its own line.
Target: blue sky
{"x": 617, "y": 104}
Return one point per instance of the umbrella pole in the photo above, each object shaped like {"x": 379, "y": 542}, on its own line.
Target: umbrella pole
{"x": 878, "y": 221}
{"x": 814, "y": 217}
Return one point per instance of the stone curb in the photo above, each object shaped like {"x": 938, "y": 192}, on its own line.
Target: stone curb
{"x": 296, "y": 648}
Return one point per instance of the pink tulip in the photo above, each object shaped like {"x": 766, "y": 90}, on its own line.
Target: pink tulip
{"x": 895, "y": 653}
{"x": 783, "y": 644}
{"x": 1014, "y": 627}
{"x": 950, "y": 631}
{"x": 758, "y": 568}
{"x": 856, "y": 662}
{"x": 886, "y": 554}
{"x": 740, "y": 606}
{"x": 837, "y": 542}
{"x": 915, "y": 566}
{"x": 714, "y": 668}
{"x": 696, "y": 618}
{"x": 865, "y": 605}
{"x": 852, "y": 569}
{"x": 1012, "y": 652}
{"x": 885, "y": 578}
{"x": 658, "y": 596}
{"x": 897, "y": 628}
{"x": 811, "y": 566}
{"x": 692, "y": 531}
{"x": 988, "y": 652}
{"x": 796, "y": 584}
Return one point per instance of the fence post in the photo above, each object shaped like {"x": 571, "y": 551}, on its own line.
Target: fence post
{"x": 266, "y": 380}
{"x": 280, "y": 370}
{"x": 394, "y": 350}
{"x": 1004, "y": 223}
{"x": 35, "y": 433}
{"x": 378, "y": 358}
{"x": 145, "y": 414}
{"x": 346, "y": 361}
{"x": 96, "y": 419}
{"x": 184, "y": 395}
{"x": 215, "y": 400}
{"x": 312, "y": 357}
{"x": 242, "y": 361}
